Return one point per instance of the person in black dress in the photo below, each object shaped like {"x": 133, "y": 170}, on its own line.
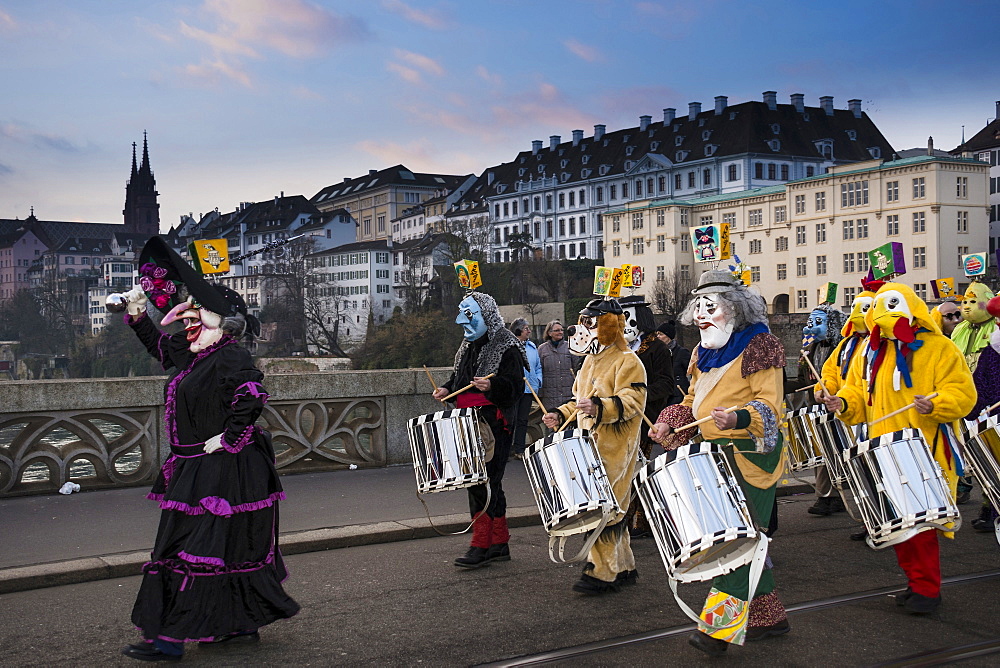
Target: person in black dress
{"x": 216, "y": 570}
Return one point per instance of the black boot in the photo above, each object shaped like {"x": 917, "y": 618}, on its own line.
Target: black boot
{"x": 823, "y": 506}
{"x": 984, "y": 523}
{"x": 708, "y": 644}
{"x": 499, "y": 552}
{"x": 474, "y": 558}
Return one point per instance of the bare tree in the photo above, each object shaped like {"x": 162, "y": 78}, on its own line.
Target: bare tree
{"x": 285, "y": 276}
{"x": 672, "y": 293}
{"x": 471, "y": 237}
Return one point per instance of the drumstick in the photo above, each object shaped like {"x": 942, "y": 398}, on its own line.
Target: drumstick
{"x": 568, "y": 420}
{"x": 993, "y": 408}
{"x": 819, "y": 377}
{"x": 704, "y": 419}
{"x": 900, "y": 410}
{"x": 534, "y": 395}
{"x": 803, "y": 389}
{"x": 431, "y": 378}
{"x": 467, "y": 387}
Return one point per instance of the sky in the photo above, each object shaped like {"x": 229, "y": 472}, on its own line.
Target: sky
{"x": 245, "y": 99}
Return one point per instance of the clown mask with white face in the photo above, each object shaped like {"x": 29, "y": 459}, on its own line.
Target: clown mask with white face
{"x": 631, "y": 331}
{"x": 201, "y": 326}
{"x": 715, "y": 325}
{"x": 470, "y": 317}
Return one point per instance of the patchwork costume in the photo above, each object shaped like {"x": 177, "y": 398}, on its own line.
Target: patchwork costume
{"x": 613, "y": 378}
{"x": 489, "y": 348}
{"x": 215, "y": 572}
{"x": 972, "y": 335}
{"x": 907, "y": 355}
{"x": 746, "y": 370}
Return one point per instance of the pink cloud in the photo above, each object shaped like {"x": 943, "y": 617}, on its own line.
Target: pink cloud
{"x": 420, "y": 61}
{"x": 584, "y": 51}
{"x": 407, "y": 74}
{"x": 426, "y": 19}
{"x": 488, "y": 76}
{"x": 211, "y": 72}
{"x": 7, "y": 22}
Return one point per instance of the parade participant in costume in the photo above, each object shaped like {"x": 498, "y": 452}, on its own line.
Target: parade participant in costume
{"x": 215, "y": 573}
{"x": 825, "y": 329}
{"x": 610, "y": 393}
{"x": 906, "y": 359}
{"x": 739, "y": 362}
{"x": 522, "y": 331}
{"x": 558, "y": 365}
{"x": 973, "y": 333}
{"x": 667, "y": 332}
{"x": 987, "y": 380}
{"x": 947, "y": 315}
{"x": 488, "y": 348}
{"x": 641, "y": 336}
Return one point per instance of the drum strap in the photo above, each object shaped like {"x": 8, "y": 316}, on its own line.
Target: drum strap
{"x": 560, "y": 543}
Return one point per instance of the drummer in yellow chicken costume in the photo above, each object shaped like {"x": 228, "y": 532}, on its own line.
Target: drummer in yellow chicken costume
{"x": 855, "y": 332}
{"x": 610, "y": 391}
{"x": 739, "y": 362}
{"x": 906, "y": 359}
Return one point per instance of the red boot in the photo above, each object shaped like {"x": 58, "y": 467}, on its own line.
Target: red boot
{"x": 499, "y": 551}
{"x": 482, "y": 538}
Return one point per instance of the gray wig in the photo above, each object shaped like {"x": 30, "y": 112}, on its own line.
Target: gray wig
{"x": 744, "y": 307}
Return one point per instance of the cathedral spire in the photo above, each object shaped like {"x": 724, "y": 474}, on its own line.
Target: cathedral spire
{"x": 144, "y": 168}
{"x": 142, "y": 211}
{"x": 134, "y": 169}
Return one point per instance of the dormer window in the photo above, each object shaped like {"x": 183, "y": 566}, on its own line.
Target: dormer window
{"x": 706, "y": 135}
{"x": 585, "y": 173}
{"x": 852, "y": 134}
{"x": 629, "y": 149}
{"x": 521, "y": 171}
{"x": 875, "y": 151}
{"x": 603, "y": 170}
{"x": 628, "y": 165}
{"x": 710, "y": 149}
{"x": 676, "y": 127}
{"x": 541, "y": 169}
{"x": 678, "y": 140}
{"x": 653, "y": 146}
{"x": 564, "y": 177}
{"x": 701, "y": 122}
{"x": 585, "y": 159}
{"x": 680, "y": 155}
{"x": 774, "y": 144}
{"x": 825, "y": 148}
{"x": 732, "y": 115}
{"x": 563, "y": 163}
{"x": 625, "y": 139}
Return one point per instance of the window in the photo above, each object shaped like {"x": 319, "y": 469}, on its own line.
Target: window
{"x": 536, "y": 203}
{"x": 731, "y": 173}
{"x": 661, "y": 217}
{"x": 661, "y": 184}
{"x": 616, "y": 223}
{"x": 548, "y": 229}
{"x": 704, "y": 220}
{"x": 599, "y": 194}
{"x": 685, "y": 272}
{"x": 780, "y": 214}
{"x": 637, "y": 221}
{"x": 690, "y": 179}
{"x": 685, "y": 243}
{"x": 848, "y": 263}
{"x": 963, "y": 222}
{"x": 863, "y": 265}
{"x": 612, "y": 192}
{"x": 706, "y": 177}
{"x": 920, "y": 289}
{"x": 854, "y": 194}
{"x": 583, "y": 198}
{"x": 638, "y": 187}
{"x": 684, "y": 217}
{"x": 677, "y": 182}
{"x": 892, "y": 225}
{"x": 782, "y": 272}
{"x": 800, "y": 235}
{"x": 892, "y": 191}
{"x": 583, "y": 224}
{"x": 756, "y": 246}
{"x": 572, "y": 226}
{"x": 800, "y": 204}
{"x": 772, "y": 171}
{"x": 820, "y": 233}
{"x": 616, "y": 248}
{"x": 781, "y": 244}
{"x": 661, "y": 243}
{"x": 962, "y": 187}
{"x": 756, "y": 217}
{"x": 919, "y": 221}
{"x": 548, "y": 202}
{"x": 661, "y": 275}
{"x": 919, "y": 257}
{"x": 784, "y": 172}
{"x": 758, "y": 170}
{"x": 755, "y": 274}
{"x": 820, "y": 265}
{"x": 821, "y": 201}
{"x": 638, "y": 246}
{"x": 919, "y": 188}
{"x": 861, "y": 228}
{"x": 367, "y": 226}
{"x": 562, "y": 227}
{"x": 962, "y": 250}
{"x": 802, "y": 299}
{"x": 800, "y": 266}
{"x": 848, "y": 229}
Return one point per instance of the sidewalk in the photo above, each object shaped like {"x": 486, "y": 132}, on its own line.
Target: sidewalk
{"x": 55, "y": 540}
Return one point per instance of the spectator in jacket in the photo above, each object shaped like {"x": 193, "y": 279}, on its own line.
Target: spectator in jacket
{"x": 522, "y": 331}
{"x": 667, "y": 332}
{"x": 558, "y": 367}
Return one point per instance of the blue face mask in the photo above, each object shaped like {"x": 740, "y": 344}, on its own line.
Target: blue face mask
{"x": 470, "y": 317}
{"x": 816, "y": 324}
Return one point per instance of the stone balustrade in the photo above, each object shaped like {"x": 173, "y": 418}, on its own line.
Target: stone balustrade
{"x": 110, "y": 432}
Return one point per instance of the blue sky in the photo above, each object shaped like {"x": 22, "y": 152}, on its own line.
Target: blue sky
{"x": 244, "y": 99}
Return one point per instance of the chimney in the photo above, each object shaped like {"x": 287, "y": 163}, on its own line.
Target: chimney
{"x": 826, "y": 103}
{"x": 771, "y": 99}
{"x": 371, "y": 171}
{"x": 930, "y": 146}
{"x": 577, "y": 137}
{"x": 346, "y": 179}
{"x": 554, "y": 141}
{"x": 721, "y": 102}
{"x": 694, "y": 108}
{"x": 536, "y": 146}
{"x": 998, "y": 110}
{"x": 799, "y": 102}
{"x": 670, "y": 113}
{"x": 855, "y": 107}
{"x": 598, "y": 132}
{"x": 644, "y": 123}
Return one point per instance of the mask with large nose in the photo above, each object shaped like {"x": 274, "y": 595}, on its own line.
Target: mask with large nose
{"x": 470, "y": 317}
{"x": 201, "y": 326}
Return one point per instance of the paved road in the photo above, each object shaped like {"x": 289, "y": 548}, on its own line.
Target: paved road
{"x": 403, "y": 603}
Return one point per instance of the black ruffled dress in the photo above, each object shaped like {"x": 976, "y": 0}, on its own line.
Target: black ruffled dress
{"x": 216, "y": 568}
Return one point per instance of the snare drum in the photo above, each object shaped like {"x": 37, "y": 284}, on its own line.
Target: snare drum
{"x": 835, "y": 438}
{"x": 570, "y": 484}
{"x": 699, "y": 516}
{"x": 982, "y": 454}
{"x": 447, "y": 450}
{"x": 804, "y": 438}
{"x": 899, "y": 488}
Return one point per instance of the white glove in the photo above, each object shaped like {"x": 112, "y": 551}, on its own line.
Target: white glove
{"x": 137, "y": 300}
{"x": 213, "y": 444}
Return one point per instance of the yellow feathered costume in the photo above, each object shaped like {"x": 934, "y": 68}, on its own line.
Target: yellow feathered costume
{"x": 855, "y": 333}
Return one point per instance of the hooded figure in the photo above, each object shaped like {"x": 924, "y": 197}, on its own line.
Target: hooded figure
{"x": 216, "y": 570}
{"x": 739, "y": 362}
{"x": 488, "y": 348}
{"x": 977, "y": 326}
{"x": 906, "y": 359}
{"x": 823, "y": 333}
{"x": 610, "y": 395}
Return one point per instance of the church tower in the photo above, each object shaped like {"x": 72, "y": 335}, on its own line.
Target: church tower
{"x": 142, "y": 212}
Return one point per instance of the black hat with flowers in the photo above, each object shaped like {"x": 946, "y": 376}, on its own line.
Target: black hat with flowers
{"x": 162, "y": 272}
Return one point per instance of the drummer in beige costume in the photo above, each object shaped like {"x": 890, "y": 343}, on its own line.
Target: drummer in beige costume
{"x": 610, "y": 392}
